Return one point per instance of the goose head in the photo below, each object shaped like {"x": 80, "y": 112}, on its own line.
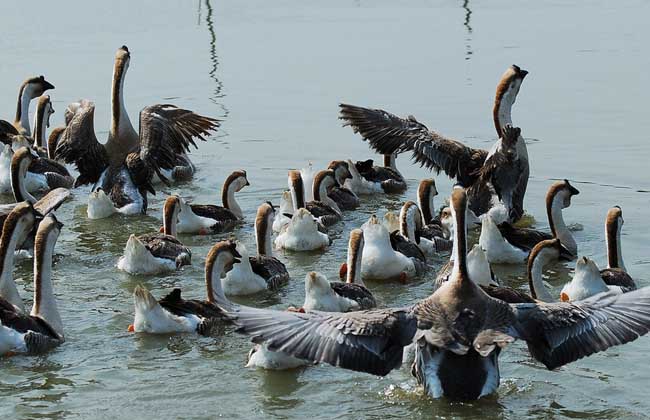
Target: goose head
{"x": 586, "y": 282}
{"x": 506, "y": 94}
{"x": 446, "y": 221}
{"x": 559, "y": 194}
{"x": 391, "y": 221}
{"x": 36, "y": 86}
{"x": 341, "y": 170}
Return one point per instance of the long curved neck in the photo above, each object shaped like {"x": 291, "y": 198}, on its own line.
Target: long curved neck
{"x": 389, "y": 161}
{"x": 213, "y": 270}
{"x": 40, "y": 123}
{"x": 425, "y": 201}
{"x": 121, "y": 136}
{"x": 355, "y": 254}
{"x": 613, "y": 242}
{"x": 8, "y": 245}
{"x": 558, "y": 227}
{"x": 459, "y": 250}
{"x": 25, "y": 95}
{"x": 297, "y": 191}
{"x": 44, "y": 299}
{"x": 320, "y": 194}
{"x": 229, "y": 202}
{"x": 263, "y": 237}
{"x": 169, "y": 221}
{"x": 18, "y": 175}
{"x": 535, "y": 281}
{"x": 407, "y": 223}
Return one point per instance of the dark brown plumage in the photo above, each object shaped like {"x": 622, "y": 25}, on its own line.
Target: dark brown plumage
{"x": 355, "y": 292}
{"x": 212, "y": 314}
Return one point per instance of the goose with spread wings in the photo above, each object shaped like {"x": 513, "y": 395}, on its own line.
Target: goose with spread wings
{"x": 485, "y": 173}
{"x": 459, "y": 330}
{"x": 122, "y": 170}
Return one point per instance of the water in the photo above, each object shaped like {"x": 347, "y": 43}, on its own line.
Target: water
{"x": 275, "y": 72}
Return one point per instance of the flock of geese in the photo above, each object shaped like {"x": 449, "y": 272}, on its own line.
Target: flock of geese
{"x": 453, "y": 336}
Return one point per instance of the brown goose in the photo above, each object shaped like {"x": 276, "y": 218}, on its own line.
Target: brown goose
{"x": 385, "y": 178}
{"x": 29, "y": 89}
{"x": 42, "y": 329}
{"x": 353, "y": 288}
{"x": 173, "y": 313}
{"x": 344, "y": 197}
{"x": 31, "y": 172}
{"x": 432, "y": 228}
{"x": 122, "y": 170}
{"x": 44, "y": 111}
{"x": 323, "y": 208}
{"x": 204, "y": 219}
{"x": 262, "y": 271}
{"x": 479, "y": 170}
{"x": 153, "y": 253}
{"x": 615, "y": 273}
{"x": 459, "y": 331}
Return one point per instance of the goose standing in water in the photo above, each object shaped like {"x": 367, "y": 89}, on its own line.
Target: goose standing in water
{"x": 157, "y": 252}
{"x": 344, "y": 197}
{"x": 481, "y": 171}
{"x": 260, "y": 272}
{"x": 42, "y": 329}
{"x": 29, "y": 89}
{"x": 508, "y": 244}
{"x": 121, "y": 170}
{"x": 615, "y": 274}
{"x": 459, "y": 330}
{"x": 173, "y": 314}
{"x": 385, "y": 178}
{"x": 204, "y": 219}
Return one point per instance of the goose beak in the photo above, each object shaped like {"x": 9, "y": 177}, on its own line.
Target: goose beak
{"x": 131, "y": 328}
{"x": 343, "y": 271}
{"x": 564, "y": 297}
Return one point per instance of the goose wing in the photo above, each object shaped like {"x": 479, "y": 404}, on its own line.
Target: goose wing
{"x": 364, "y": 341}
{"x": 164, "y": 246}
{"x": 270, "y": 269}
{"x": 78, "y": 143}
{"x": 23, "y": 323}
{"x": 167, "y": 131}
{"x": 7, "y": 131}
{"x": 388, "y": 133}
{"x": 618, "y": 277}
{"x": 52, "y": 200}
{"x": 522, "y": 238}
{"x": 560, "y": 333}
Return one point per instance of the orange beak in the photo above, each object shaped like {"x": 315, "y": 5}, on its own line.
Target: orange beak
{"x": 162, "y": 229}
{"x": 343, "y": 271}
{"x": 131, "y": 328}
{"x": 564, "y": 297}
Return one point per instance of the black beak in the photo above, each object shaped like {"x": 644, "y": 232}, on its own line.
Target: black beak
{"x": 565, "y": 254}
{"x": 573, "y": 190}
{"x": 236, "y": 260}
{"x": 47, "y": 85}
{"x": 289, "y": 215}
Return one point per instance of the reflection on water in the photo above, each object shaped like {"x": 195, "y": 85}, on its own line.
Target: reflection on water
{"x": 214, "y": 58}
{"x": 468, "y": 39}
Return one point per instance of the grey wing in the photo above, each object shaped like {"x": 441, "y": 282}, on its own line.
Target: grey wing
{"x": 517, "y": 209}
{"x": 355, "y": 292}
{"x": 167, "y": 131}
{"x": 560, "y": 333}
{"x": 78, "y": 145}
{"x": 523, "y": 238}
{"x": 270, "y": 269}
{"x": 52, "y": 200}
{"x": 166, "y": 246}
{"x": 364, "y": 341}
{"x": 388, "y": 133}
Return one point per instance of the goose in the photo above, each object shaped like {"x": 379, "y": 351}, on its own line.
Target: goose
{"x": 380, "y": 261}
{"x": 44, "y": 111}
{"x": 286, "y": 208}
{"x": 53, "y": 141}
{"x": 173, "y": 314}
{"x": 542, "y": 254}
{"x": 353, "y": 287}
{"x": 459, "y": 331}
{"x": 344, "y": 197}
{"x": 386, "y": 179}
{"x": 157, "y": 252}
{"x": 615, "y": 274}
{"x": 391, "y": 221}
{"x": 263, "y": 271}
{"x": 302, "y": 233}
{"x": 42, "y": 329}
{"x": 558, "y": 197}
{"x": 121, "y": 170}
{"x": 431, "y": 228}
{"x": 30, "y": 89}
{"x": 358, "y": 184}
{"x": 504, "y": 168}
{"x": 411, "y": 225}
{"x": 204, "y": 219}
{"x": 30, "y": 172}
{"x": 586, "y": 282}
{"x": 16, "y": 227}
{"x": 307, "y": 175}
{"x": 322, "y": 207}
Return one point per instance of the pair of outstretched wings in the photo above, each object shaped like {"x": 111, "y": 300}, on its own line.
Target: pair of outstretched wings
{"x": 373, "y": 341}
{"x": 165, "y": 132}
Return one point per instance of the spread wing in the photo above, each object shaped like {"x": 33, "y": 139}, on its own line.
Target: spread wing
{"x": 7, "y": 131}
{"x": 166, "y": 131}
{"x": 560, "y": 333}
{"x": 78, "y": 144}
{"x": 388, "y": 133}
{"x": 364, "y": 341}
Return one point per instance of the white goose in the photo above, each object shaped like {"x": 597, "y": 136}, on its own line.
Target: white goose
{"x": 302, "y": 234}
{"x": 29, "y": 89}
{"x": 282, "y": 217}
{"x": 586, "y": 282}
{"x": 380, "y": 261}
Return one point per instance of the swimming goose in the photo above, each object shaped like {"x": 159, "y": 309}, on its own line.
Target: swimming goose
{"x": 153, "y": 253}
{"x": 459, "y": 330}
{"x": 29, "y": 89}
{"x": 586, "y": 282}
{"x": 353, "y": 288}
{"x": 385, "y": 178}
{"x": 380, "y": 261}
{"x": 286, "y": 208}
{"x": 260, "y": 272}
{"x": 302, "y": 233}
{"x": 558, "y": 198}
{"x": 42, "y": 329}
{"x": 542, "y": 254}
{"x": 29, "y": 172}
{"x": 321, "y": 207}
{"x": 121, "y": 170}
{"x": 358, "y": 184}
{"x": 411, "y": 226}
{"x": 15, "y": 229}
{"x": 344, "y": 197}
{"x": 615, "y": 274}
{"x": 173, "y": 314}
{"x": 432, "y": 227}
{"x": 480, "y": 170}
{"x": 204, "y": 219}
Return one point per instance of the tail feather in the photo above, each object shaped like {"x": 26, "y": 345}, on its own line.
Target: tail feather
{"x": 143, "y": 299}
